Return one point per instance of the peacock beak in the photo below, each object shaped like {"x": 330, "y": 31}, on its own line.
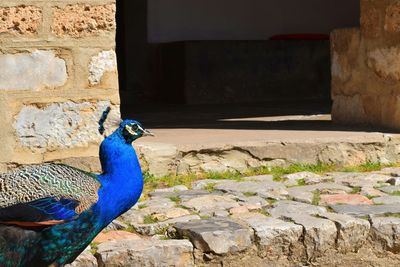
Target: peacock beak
{"x": 147, "y": 133}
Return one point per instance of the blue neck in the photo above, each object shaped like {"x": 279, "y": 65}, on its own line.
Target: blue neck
{"x": 122, "y": 181}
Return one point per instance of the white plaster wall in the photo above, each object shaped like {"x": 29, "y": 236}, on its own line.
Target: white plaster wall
{"x": 177, "y": 20}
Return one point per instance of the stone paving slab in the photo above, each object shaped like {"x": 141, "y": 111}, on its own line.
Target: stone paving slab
{"x": 231, "y": 223}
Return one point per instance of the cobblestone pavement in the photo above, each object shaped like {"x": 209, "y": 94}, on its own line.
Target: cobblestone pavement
{"x": 305, "y": 219}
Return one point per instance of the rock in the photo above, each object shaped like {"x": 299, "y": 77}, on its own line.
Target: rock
{"x": 156, "y": 228}
{"x": 387, "y": 200}
{"x": 146, "y": 253}
{"x": 352, "y": 232}
{"x": 390, "y": 189}
{"x": 350, "y": 199}
{"x": 298, "y": 194}
{"x": 395, "y": 172}
{"x": 386, "y": 232}
{"x": 210, "y": 202}
{"x": 116, "y": 225}
{"x": 308, "y": 177}
{"x": 254, "y": 200}
{"x": 237, "y": 210}
{"x": 371, "y": 192}
{"x": 38, "y": 70}
{"x": 191, "y": 194}
{"x": 395, "y": 181}
{"x": 43, "y": 128}
{"x": 177, "y": 188}
{"x": 100, "y": 64}
{"x": 320, "y": 234}
{"x": 202, "y": 184}
{"x": 365, "y": 210}
{"x": 216, "y": 235}
{"x": 86, "y": 259}
{"x": 362, "y": 179}
{"x": 220, "y": 213}
{"x": 305, "y": 193}
{"x": 116, "y": 235}
{"x": 267, "y": 189}
{"x": 160, "y": 158}
{"x": 275, "y": 238}
{"x": 287, "y": 208}
{"x": 260, "y": 178}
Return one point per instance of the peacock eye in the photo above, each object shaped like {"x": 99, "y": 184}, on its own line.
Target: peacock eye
{"x": 135, "y": 127}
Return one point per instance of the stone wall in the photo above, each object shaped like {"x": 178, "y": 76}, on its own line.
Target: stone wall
{"x": 58, "y": 72}
{"x": 366, "y": 67}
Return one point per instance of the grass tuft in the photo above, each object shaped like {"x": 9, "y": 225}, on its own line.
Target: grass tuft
{"x": 316, "y": 198}
{"x": 149, "y": 219}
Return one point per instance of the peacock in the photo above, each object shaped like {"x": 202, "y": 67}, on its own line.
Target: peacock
{"x": 49, "y": 213}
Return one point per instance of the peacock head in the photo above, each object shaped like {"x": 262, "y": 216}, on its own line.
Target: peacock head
{"x": 132, "y": 130}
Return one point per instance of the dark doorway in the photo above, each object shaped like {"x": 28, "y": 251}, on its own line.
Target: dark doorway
{"x": 186, "y": 52}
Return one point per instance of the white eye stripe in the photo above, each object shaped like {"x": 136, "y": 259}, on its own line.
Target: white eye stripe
{"x": 130, "y": 130}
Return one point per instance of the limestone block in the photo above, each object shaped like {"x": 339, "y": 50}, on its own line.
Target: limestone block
{"x": 392, "y": 18}
{"x": 345, "y": 44}
{"x": 32, "y": 71}
{"x": 83, "y": 20}
{"x": 349, "y": 110}
{"x": 218, "y": 236}
{"x": 385, "y": 62}
{"x": 62, "y": 125}
{"x": 371, "y": 20}
{"x": 20, "y": 19}
{"x": 101, "y": 64}
{"x": 146, "y": 253}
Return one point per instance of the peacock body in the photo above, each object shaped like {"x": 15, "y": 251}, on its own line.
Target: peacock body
{"x": 50, "y": 213}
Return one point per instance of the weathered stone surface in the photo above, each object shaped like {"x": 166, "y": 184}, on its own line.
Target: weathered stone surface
{"x": 352, "y": 232}
{"x": 177, "y": 188}
{"x": 305, "y": 193}
{"x": 275, "y": 238}
{"x": 83, "y": 20}
{"x": 371, "y": 192}
{"x": 370, "y": 21}
{"x": 32, "y": 71}
{"x": 392, "y": 18}
{"x": 146, "y": 253}
{"x": 219, "y": 161}
{"x": 385, "y": 63}
{"x": 62, "y": 125}
{"x": 345, "y": 44}
{"x": 156, "y": 228}
{"x": 268, "y": 189}
{"x": 210, "y": 202}
{"x": 361, "y": 179}
{"x": 386, "y": 231}
{"x": 307, "y": 177}
{"x": 287, "y": 208}
{"x": 216, "y": 235}
{"x": 351, "y": 199}
{"x": 20, "y": 19}
{"x": 390, "y": 189}
{"x": 86, "y": 259}
{"x": 365, "y": 210}
{"x": 105, "y": 61}
{"x": 387, "y": 200}
{"x": 116, "y": 225}
{"x": 116, "y": 235}
{"x": 160, "y": 158}
{"x": 320, "y": 234}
